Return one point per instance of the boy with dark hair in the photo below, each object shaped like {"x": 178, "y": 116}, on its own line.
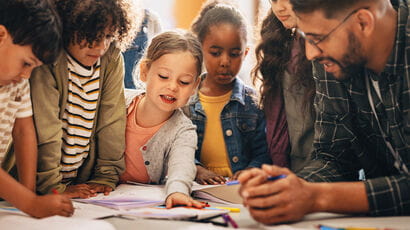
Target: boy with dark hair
{"x": 78, "y": 102}
{"x": 362, "y": 122}
{"x": 30, "y": 35}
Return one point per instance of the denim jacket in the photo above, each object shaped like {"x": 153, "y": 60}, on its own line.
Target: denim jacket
{"x": 243, "y": 124}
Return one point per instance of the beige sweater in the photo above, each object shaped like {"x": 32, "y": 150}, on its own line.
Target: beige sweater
{"x": 105, "y": 161}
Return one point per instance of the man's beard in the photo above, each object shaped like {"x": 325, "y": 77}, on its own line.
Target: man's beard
{"x": 352, "y": 62}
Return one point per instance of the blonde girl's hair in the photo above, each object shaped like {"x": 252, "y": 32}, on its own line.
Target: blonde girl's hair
{"x": 172, "y": 42}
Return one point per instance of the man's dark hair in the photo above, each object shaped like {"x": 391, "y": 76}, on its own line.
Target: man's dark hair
{"x": 330, "y": 8}
{"x": 35, "y": 23}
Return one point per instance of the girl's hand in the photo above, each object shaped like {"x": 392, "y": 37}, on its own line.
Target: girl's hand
{"x": 79, "y": 191}
{"x": 178, "y": 198}
{"x": 101, "y": 188}
{"x": 236, "y": 175}
{"x": 205, "y": 176}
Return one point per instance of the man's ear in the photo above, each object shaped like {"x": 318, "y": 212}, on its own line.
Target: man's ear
{"x": 3, "y": 34}
{"x": 366, "y": 22}
{"x": 143, "y": 70}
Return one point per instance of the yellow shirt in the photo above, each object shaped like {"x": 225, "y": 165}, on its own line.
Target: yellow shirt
{"x": 214, "y": 155}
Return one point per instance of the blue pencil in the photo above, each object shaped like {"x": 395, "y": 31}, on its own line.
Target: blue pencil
{"x": 270, "y": 178}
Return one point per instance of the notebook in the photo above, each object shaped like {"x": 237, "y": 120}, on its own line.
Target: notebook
{"x": 218, "y": 193}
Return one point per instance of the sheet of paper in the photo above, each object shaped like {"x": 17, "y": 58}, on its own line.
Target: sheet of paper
{"x": 5, "y": 207}
{"x": 89, "y": 211}
{"x": 18, "y": 222}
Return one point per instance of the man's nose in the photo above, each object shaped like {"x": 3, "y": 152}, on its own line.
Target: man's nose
{"x": 312, "y": 51}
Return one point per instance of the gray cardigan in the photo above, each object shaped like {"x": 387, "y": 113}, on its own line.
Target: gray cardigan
{"x": 169, "y": 155}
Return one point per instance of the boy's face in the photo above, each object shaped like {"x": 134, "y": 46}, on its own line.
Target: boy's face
{"x": 16, "y": 62}
{"x": 87, "y": 55}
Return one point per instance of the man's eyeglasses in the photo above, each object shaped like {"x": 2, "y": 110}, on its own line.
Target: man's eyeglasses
{"x": 315, "y": 42}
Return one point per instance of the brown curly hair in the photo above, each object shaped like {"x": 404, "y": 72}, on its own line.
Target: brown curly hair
{"x": 88, "y": 19}
{"x": 273, "y": 55}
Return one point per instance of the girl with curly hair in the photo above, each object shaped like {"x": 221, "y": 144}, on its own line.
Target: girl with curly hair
{"x": 287, "y": 88}
{"x": 78, "y": 101}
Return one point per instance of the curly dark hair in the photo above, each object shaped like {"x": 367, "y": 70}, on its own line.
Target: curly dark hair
{"x": 35, "y": 23}
{"x": 88, "y": 19}
{"x": 273, "y": 55}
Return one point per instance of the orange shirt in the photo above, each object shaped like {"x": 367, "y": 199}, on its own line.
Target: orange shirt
{"x": 135, "y": 138}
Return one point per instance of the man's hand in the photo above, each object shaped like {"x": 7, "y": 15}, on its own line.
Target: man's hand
{"x": 282, "y": 200}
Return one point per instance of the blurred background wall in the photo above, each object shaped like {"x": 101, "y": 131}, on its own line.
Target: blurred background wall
{"x": 181, "y": 13}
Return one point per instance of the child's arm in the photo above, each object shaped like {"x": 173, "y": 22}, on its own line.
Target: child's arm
{"x": 110, "y": 130}
{"x": 181, "y": 165}
{"x": 28, "y": 202}
{"x": 25, "y": 150}
{"x": 46, "y": 96}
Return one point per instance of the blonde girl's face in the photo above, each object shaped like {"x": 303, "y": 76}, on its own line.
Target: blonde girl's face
{"x": 283, "y": 11}
{"x": 170, "y": 80}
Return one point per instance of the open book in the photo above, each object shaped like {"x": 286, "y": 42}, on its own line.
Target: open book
{"x": 177, "y": 213}
{"x": 126, "y": 197}
{"x": 217, "y": 193}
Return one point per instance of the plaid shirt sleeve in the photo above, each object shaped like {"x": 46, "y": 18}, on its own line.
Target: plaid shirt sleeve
{"x": 334, "y": 139}
{"x": 339, "y": 153}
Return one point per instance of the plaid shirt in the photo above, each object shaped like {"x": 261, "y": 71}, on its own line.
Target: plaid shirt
{"x": 347, "y": 136}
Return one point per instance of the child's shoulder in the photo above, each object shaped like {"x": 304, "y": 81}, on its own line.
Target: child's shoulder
{"x": 181, "y": 117}
{"x": 113, "y": 52}
{"x": 249, "y": 93}
{"x": 131, "y": 94}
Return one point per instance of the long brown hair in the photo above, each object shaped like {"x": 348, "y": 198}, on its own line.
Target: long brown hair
{"x": 273, "y": 55}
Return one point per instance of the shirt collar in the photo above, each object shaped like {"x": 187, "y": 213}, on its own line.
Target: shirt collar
{"x": 396, "y": 60}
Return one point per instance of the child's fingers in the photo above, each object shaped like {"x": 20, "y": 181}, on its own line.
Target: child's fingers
{"x": 107, "y": 190}
{"x": 198, "y": 204}
{"x": 201, "y": 181}
{"x": 169, "y": 202}
{"x": 219, "y": 179}
{"x": 211, "y": 181}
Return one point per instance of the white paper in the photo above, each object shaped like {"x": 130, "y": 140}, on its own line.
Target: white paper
{"x": 89, "y": 211}
{"x": 18, "y": 222}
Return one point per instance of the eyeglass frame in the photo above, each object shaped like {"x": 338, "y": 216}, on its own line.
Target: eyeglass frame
{"x": 324, "y": 37}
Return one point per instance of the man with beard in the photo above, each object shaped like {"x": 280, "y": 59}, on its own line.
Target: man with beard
{"x": 363, "y": 120}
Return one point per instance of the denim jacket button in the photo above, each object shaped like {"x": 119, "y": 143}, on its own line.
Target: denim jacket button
{"x": 235, "y": 159}
{"x": 228, "y": 132}
{"x": 244, "y": 126}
